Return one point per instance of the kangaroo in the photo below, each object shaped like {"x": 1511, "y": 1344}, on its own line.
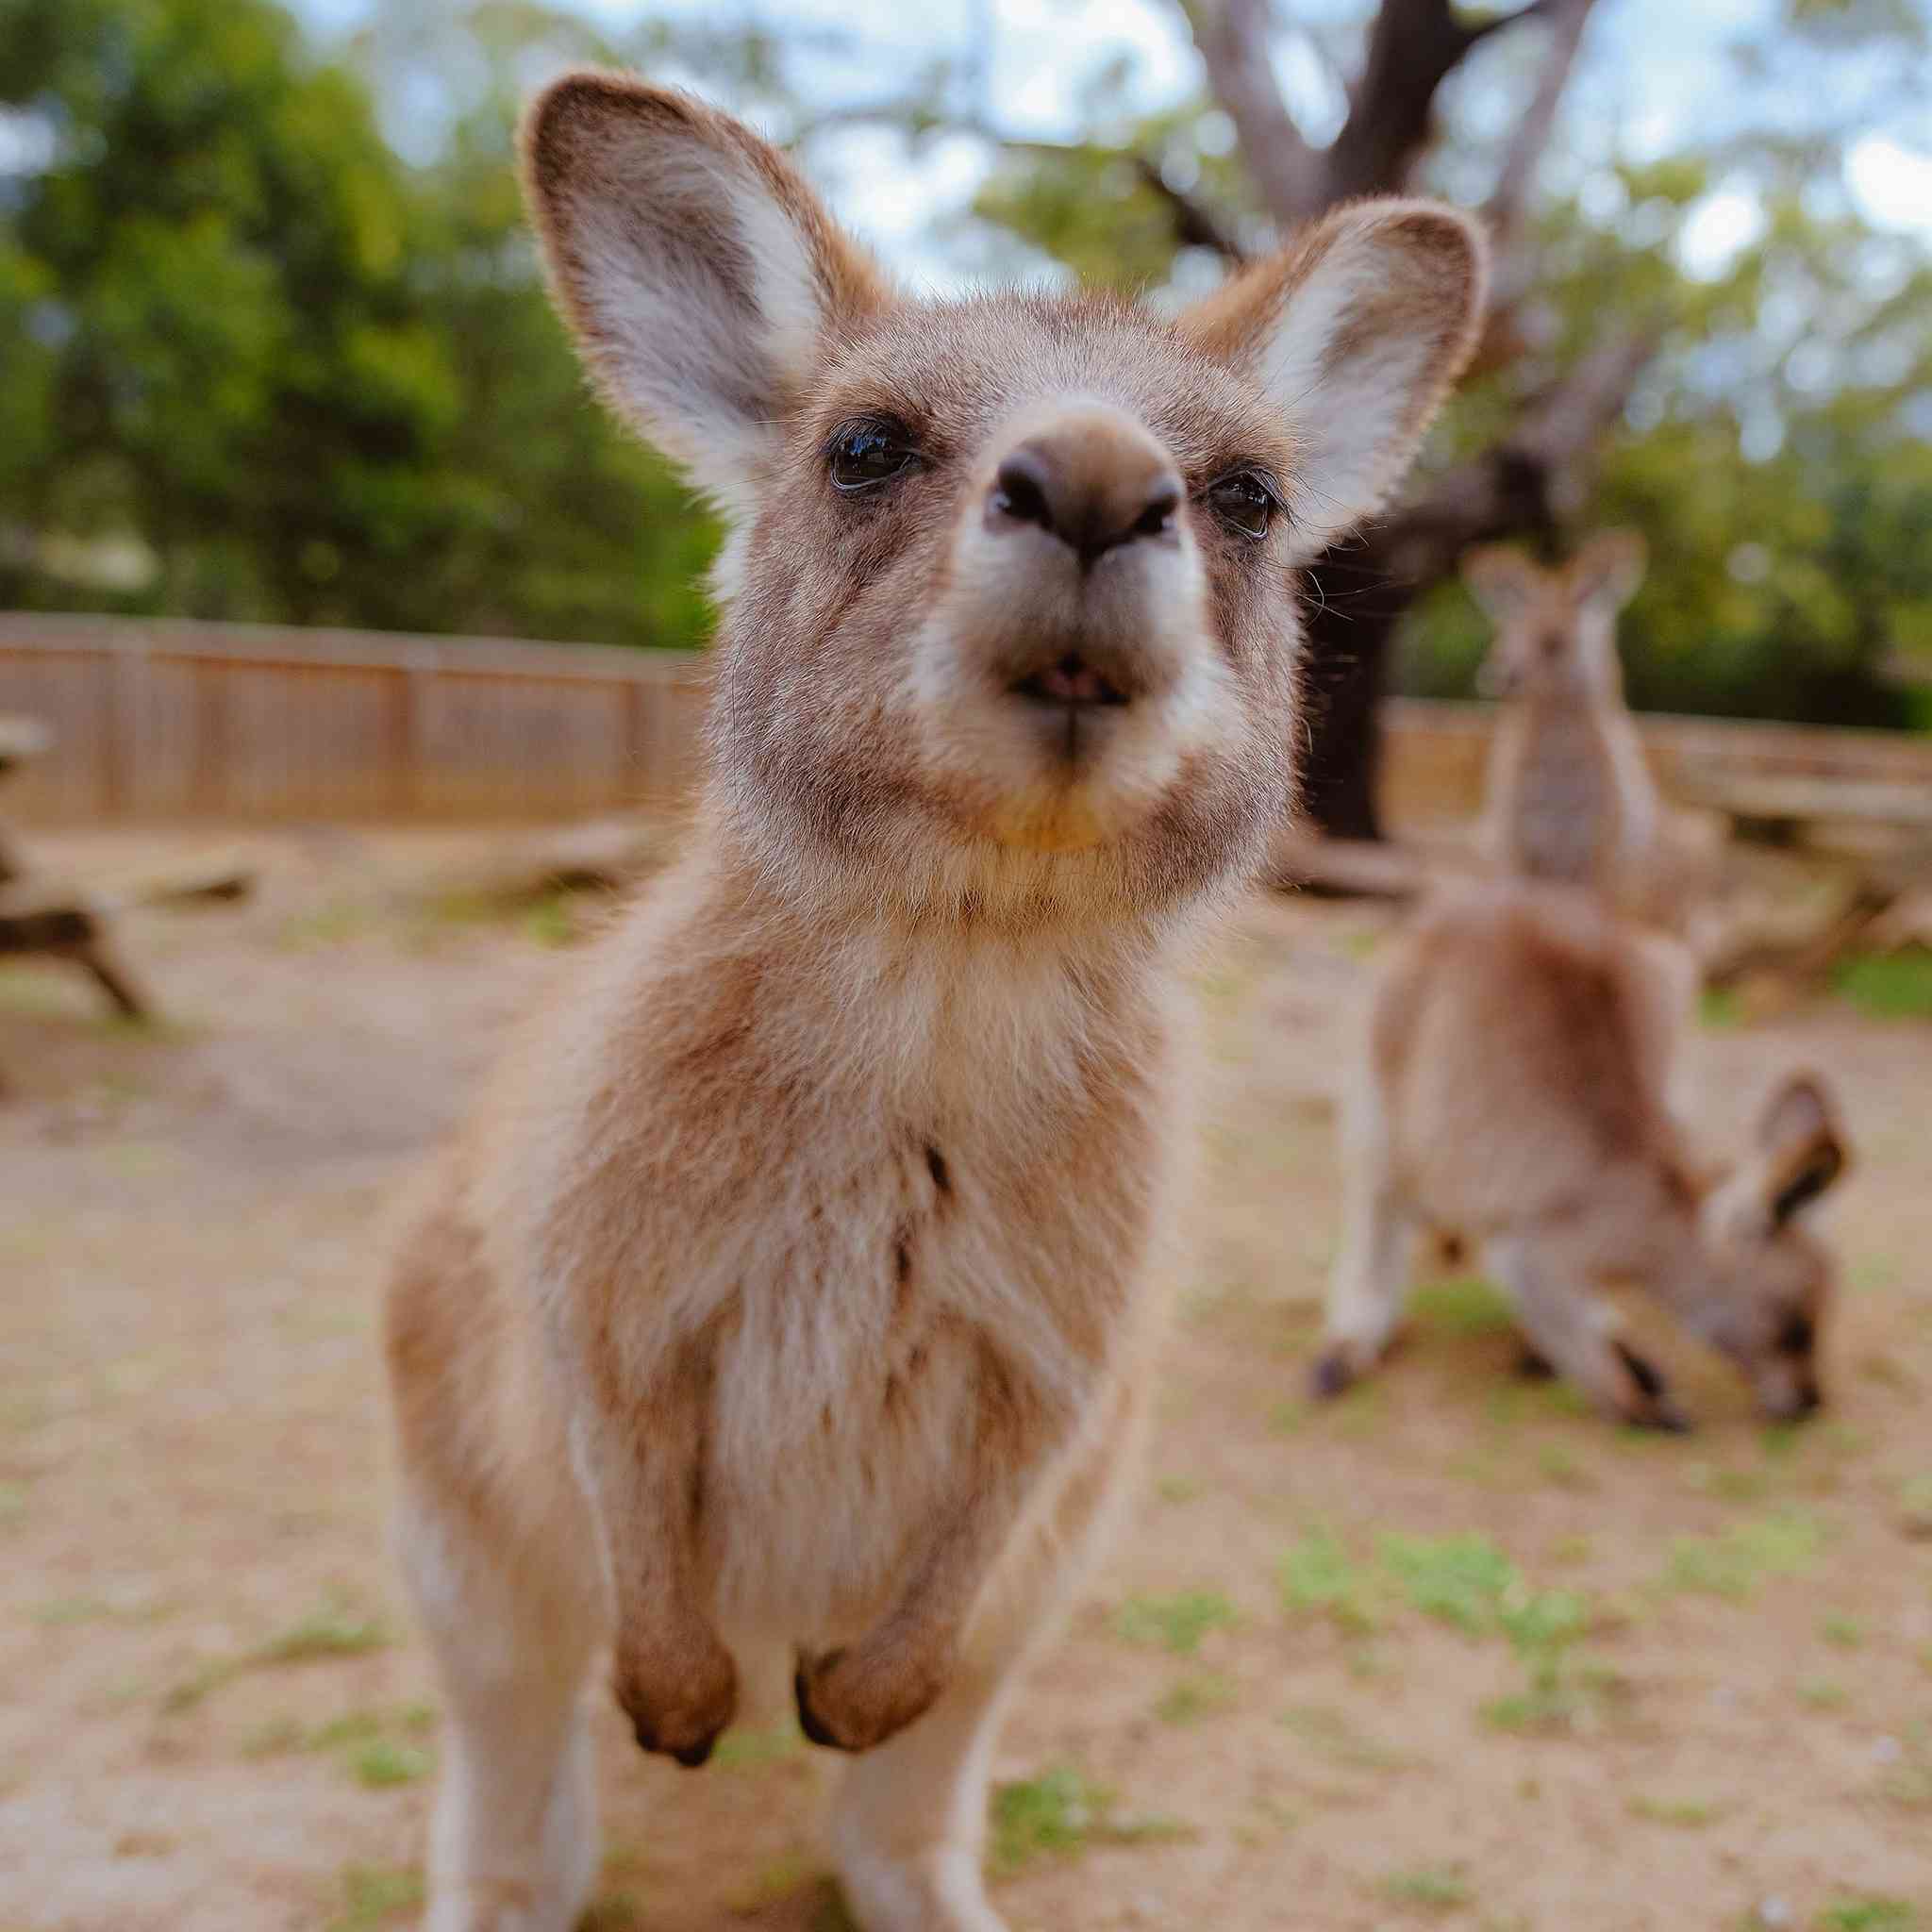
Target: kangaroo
{"x": 1569, "y": 796}
{"x": 792, "y": 1290}
{"x": 1515, "y": 1087}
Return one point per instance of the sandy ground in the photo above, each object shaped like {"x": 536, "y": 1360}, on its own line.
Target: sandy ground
{"x": 1447, "y": 1650}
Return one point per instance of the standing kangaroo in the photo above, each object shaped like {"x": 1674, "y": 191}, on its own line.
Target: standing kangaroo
{"x": 791, "y": 1292}
{"x": 1515, "y": 1087}
{"x": 1569, "y": 795}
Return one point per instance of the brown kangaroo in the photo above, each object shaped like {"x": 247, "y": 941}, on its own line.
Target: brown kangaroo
{"x": 1515, "y": 1087}
{"x": 791, "y": 1292}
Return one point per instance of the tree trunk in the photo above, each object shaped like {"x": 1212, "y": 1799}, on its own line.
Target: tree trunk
{"x": 1351, "y": 608}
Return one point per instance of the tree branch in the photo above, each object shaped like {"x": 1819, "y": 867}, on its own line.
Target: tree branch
{"x": 1197, "y": 226}
{"x": 1530, "y": 481}
{"x": 1414, "y": 47}
{"x": 1232, "y": 38}
{"x": 1509, "y": 200}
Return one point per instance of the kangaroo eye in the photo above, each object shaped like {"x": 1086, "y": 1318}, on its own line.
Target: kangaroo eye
{"x": 1243, "y": 500}
{"x": 863, "y": 455}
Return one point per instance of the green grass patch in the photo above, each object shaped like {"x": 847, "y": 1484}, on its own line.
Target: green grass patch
{"x": 382, "y": 1763}
{"x": 1822, "y": 1693}
{"x": 375, "y": 1894}
{"x": 1456, "y": 1579}
{"x": 1734, "y": 1563}
{"x": 1558, "y": 1463}
{"x": 611, "y": 1911}
{"x": 1467, "y": 1305}
{"x": 1434, "y": 1888}
{"x": 199, "y": 1683}
{"x": 777, "y": 1879}
{"x": 1176, "y": 1624}
{"x": 1686, "y": 1814}
{"x": 1847, "y": 1633}
{"x": 333, "y": 1629}
{"x": 1915, "y": 1504}
{"x": 376, "y": 1748}
{"x": 1720, "y": 1008}
{"x": 754, "y": 1750}
{"x": 1909, "y": 1783}
{"x": 1869, "y": 1915}
{"x": 1319, "y": 1578}
{"x": 1887, "y": 986}
{"x": 1192, "y": 1699}
{"x": 1331, "y": 1734}
{"x": 1058, "y": 1815}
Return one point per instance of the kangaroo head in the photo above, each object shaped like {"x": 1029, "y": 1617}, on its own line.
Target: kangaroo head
{"x": 1775, "y": 1277}
{"x": 1010, "y": 587}
{"x": 1556, "y": 630}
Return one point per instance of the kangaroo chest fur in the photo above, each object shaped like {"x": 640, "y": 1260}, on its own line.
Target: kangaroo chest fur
{"x": 1567, "y": 817}
{"x": 854, "y": 1241}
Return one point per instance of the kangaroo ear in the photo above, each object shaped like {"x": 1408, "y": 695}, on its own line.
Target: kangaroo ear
{"x": 1607, "y": 570}
{"x": 698, "y": 273}
{"x": 1356, "y": 331}
{"x": 1503, "y": 580}
{"x": 1804, "y": 1152}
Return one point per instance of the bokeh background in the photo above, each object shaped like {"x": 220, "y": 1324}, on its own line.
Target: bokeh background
{"x": 303, "y": 503}
{"x": 276, "y": 347}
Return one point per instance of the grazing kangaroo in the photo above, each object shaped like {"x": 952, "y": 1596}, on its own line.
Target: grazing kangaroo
{"x": 1514, "y": 1087}
{"x": 1569, "y": 795}
{"x": 793, "y": 1291}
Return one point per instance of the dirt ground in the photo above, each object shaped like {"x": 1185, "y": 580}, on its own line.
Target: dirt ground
{"x": 1448, "y": 1650}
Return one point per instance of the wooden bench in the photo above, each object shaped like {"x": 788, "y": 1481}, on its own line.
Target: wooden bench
{"x": 1785, "y": 810}
{"x": 45, "y": 917}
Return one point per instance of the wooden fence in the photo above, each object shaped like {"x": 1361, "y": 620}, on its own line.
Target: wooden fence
{"x": 165, "y": 721}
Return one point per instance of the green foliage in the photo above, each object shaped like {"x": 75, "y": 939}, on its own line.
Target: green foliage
{"x": 1174, "y": 1622}
{"x": 1788, "y": 506}
{"x": 1887, "y": 986}
{"x": 279, "y": 375}
{"x": 1770, "y": 454}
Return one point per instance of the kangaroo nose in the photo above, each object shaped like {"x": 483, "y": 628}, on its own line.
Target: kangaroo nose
{"x": 1096, "y": 481}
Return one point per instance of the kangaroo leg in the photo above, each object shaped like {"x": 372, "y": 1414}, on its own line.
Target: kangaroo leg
{"x": 908, "y": 1825}
{"x": 1370, "y": 1279}
{"x": 498, "y": 1547}
{"x": 1576, "y": 1332}
{"x": 642, "y": 1454}
{"x": 856, "y": 1697}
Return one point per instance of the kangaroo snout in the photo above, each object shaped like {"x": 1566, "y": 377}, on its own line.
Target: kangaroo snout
{"x": 1093, "y": 478}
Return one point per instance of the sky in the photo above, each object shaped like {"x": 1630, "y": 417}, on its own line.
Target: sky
{"x": 1645, "y": 87}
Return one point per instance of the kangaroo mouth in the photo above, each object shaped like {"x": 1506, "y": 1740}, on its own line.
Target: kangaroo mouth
{"x": 1070, "y": 681}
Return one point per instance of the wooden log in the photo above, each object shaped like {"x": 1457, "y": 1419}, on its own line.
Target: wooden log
{"x": 38, "y": 918}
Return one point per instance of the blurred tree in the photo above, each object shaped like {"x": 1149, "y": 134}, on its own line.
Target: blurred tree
{"x": 300, "y": 378}
{"x": 1591, "y": 314}
{"x": 1769, "y": 450}
{"x": 274, "y": 317}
